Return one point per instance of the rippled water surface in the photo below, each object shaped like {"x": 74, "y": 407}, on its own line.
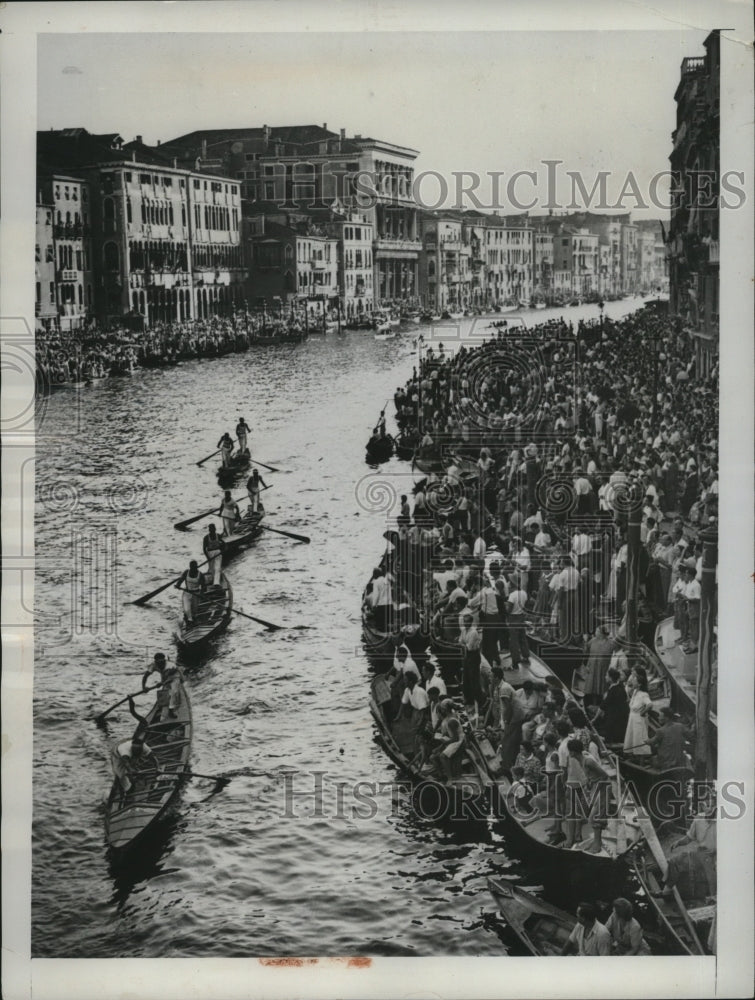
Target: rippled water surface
{"x": 247, "y": 870}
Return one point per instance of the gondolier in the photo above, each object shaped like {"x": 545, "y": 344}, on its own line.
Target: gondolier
{"x": 253, "y": 489}
{"x": 242, "y": 429}
{"x": 193, "y": 585}
{"x": 132, "y": 756}
{"x": 225, "y": 444}
{"x": 229, "y": 511}
{"x": 213, "y": 547}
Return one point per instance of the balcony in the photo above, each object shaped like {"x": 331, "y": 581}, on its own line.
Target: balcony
{"x": 67, "y": 275}
{"x": 692, "y": 64}
{"x": 386, "y": 242}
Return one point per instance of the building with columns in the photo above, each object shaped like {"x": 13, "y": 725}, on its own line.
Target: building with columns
{"x": 312, "y": 167}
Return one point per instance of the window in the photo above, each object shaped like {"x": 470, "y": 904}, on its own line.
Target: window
{"x": 52, "y": 291}
{"x": 270, "y": 192}
{"x": 196, "y": 184}
{"x": 145, "y": 179}
{"x": 127, "y": 176}
{"x": 49, "y": 254}
{"x": 37, "y": 256}
{"x": 269, "y": 170}
{"x": 267, "y": 255}
{"x": 129, "y": 217}
{"x": 74, "y": 194}
{"x": 168, "y": 182}
{"x": 57, "y": 192}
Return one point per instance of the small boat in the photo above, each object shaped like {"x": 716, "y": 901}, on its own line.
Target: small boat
{"x": 539, "y": 305}
{"x": 247, "y": 530}
{"x": 673, "y": 918}
{"x": 381, "y": 646}
{"x": 542, "y": 928}
{"x": 404, "y": 446}
{"x": 379, "y": 449}
{"x": 214, "y": 608}
{"x": 385, "y": 332}
{"x": 428, "y": 464}
{"x": 239, "y": 463}
{"x": 152, "y": 796}
{"x": 466, "y": 796}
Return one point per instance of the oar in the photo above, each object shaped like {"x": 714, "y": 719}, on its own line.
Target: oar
{"x": 255, "y": 461}
{"x": 152, "y": 687}
{"x": 159, "y": 590}
{"x": 202, "y": 461}
{"x": 220, "y": 778}
{"x": 268, "y": 625}
{"x": 181, "y": 525}
{"x": 288, "y": 534}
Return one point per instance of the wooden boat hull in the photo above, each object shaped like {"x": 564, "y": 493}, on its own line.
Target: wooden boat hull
{"x": 239, "y": 465}
{"x": 542, "y": 928}
{"x": 247, "y": 531}
{"x": 379, "y": 451}
{"x": 151, "y": 799}
{"x": 213, "y": 614}
{"x": 465, "y": 799}
{"x": 427, "y": 465}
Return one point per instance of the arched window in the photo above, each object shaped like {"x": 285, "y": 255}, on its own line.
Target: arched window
{"x": 81, "y": 296}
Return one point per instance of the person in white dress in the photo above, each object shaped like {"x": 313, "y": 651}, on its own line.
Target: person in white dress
{"x": 636, "y": 736}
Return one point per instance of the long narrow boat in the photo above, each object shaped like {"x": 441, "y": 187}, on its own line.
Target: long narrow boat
{"x": 238, "y": 464}
{"x": 214, "y": 608}
{"x": 467, "y": 796}
{"x": 427, "y": 464}
{"x": 381, "y": 646}
{"x": 379, "y": 449}
{"x": 247, "y": 530}
{"x": 623, "y": 830}
{"x": 542, "y": 928}
{"x": 154, "y": 790}
{"x": 673, "y": 918}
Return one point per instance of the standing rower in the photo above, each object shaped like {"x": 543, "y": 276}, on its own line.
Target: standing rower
{"x": 253, "y": 489}
{"x": 213, "y": 546}
{"x": 225, "y": 444}
{"x": 242, "y": 429}
{"x": 193, "y": 584}
{"x": 229, "y": 511}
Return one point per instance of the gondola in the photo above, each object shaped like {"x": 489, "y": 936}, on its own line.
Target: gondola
{"x": 542, "y": 928}
{"x": 214, "y": 608}
{"x": 427, "y": 464}
{"x": 154, "y": 792}
{"x": 381, "y": 647}
{"x": 239, "y": 463}
{"x": 246, "y": 531}
{"x": 404, "y": 446}
{"x": 672, "y": 917}
{"x": 379, "y": 449}
{"x": 623, "y": 830}
{"x": 466, "y": 796}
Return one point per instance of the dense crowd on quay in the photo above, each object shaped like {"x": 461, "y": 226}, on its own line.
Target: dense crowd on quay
{"x": 516, "y": 533}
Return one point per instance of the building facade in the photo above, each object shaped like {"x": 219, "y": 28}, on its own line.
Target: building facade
{"x": 290, "y": 265}
{"x": 543, "y": 266}
{"x": 66, "y": 243}
{"x": 153, "y": 242}
{"x": 693, "y": 239}
{"x": 45, "y": 293}
{"x": 311, "y": 167}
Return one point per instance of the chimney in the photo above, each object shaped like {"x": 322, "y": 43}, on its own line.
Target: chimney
{"x": 357, "y": 137}
{"x": 343, "y": 134}
{"x": 325, "y": 126}
{"x": 133, "y": 156}
{"x": 139, "y": 139}
{"x": 158, "y": 142}
{"x": 266, "y": 134}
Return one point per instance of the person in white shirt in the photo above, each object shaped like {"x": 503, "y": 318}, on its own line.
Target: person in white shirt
{"x": 543, "y": 540}
{"x": 480, "y": 548}
{"x": 693, "y": 595}
{"x": 581, "y": 546}
{"x": 403, "y": 662}
{"x": 433, "y": 680}
{"x": 380, "y": 599}
{"x": 521, "y": 561}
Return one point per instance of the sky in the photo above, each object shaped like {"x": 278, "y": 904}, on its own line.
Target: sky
{"x": 478, "y": 101}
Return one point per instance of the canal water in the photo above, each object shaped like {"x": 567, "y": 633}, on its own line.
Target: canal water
{"x": 284, "y": 860}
